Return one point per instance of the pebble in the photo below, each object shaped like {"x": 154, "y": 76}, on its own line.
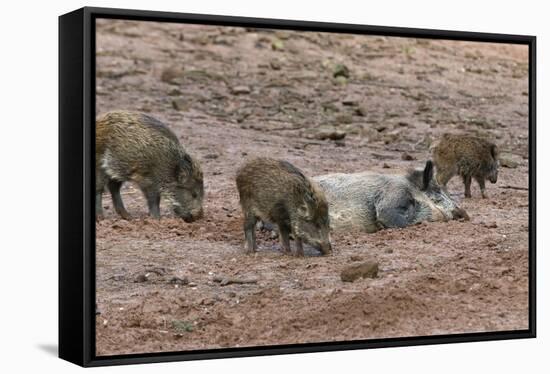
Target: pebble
{"x": 330, "y": 133}
{"x": 361, "y": 111}
{"x": 407, "y": 157}
{"x": 340, "y": 70}
{"x": 180, "y": 104}
{"x": 141, "y": 278}
{"x": 169, "y": 75}
{"x": 179, "y": 281}
{"x": 278, "y": 45}
{"x": 238, "y": 90}
{"x": 275, "y": 65}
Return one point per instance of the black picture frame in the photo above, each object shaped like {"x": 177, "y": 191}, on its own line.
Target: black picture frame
{"x": 76, "y": 180}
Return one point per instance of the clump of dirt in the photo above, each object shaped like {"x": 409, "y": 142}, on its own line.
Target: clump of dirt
{"x": 326, "y": 103}
{"x": 363, "y": 270}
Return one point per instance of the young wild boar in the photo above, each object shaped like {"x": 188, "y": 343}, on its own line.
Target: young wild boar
{"x": 277, "y": 192}
{"x": 139, "y": 148}
{"x": 467, "y": 156}
{"x": 370, "y": 202}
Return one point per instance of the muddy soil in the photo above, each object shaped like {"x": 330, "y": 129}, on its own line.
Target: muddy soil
{"x": 234, "y": 93}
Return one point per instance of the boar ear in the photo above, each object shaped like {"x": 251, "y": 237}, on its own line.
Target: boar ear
{"x": 427, "y": 175}
{"x": 309, "y": 198}
{"x": 183, "y": 169}
{"x": 306, "y": 209}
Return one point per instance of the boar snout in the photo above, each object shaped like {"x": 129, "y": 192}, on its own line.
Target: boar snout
{"x": 459, "y": 213}
{"x": 493, "y": 180}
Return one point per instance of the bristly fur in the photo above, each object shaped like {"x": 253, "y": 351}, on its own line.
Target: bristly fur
{"x": 137, "y": 147}
{"x": 277, "y": 192}
{"x": 467, "y": 156}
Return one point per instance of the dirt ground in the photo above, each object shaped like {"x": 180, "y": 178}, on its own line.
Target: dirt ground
{"x": 234, "y": 93}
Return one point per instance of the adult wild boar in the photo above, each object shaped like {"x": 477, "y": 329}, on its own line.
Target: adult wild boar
{"x": 370, "y": 201}
{"x": 277, "y": 192}
{"x": 139, "y": 148}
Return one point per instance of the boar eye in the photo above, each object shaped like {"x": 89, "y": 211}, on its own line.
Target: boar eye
{"x": 407, "y": 205}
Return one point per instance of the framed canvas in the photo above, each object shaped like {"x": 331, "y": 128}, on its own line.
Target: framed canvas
{"x": 235, "y": 186}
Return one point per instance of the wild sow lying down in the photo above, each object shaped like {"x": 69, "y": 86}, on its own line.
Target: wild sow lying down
{"x": 139, "y": 148}
{"x": 370, "y": 202}
{"x": 277, "y": 192}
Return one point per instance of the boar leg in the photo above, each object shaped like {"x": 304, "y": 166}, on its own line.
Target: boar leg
{"x": 99, "y": 185}
{"x": 250, "y": 232}
{"x": 153, "y": 202}
{"x": 98, "y": 205}
{"x": 481, "y": 182}
{"x": 284, "y": 237}
{"x": 114, "y": 188}
{"x": 467, "y": 183}
{"x": 299, "y": 248}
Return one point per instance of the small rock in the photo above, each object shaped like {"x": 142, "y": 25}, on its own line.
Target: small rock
{"x": 343, "y": 118}
{"x": 385, "y": 166}
{"x": 350, "y": 101}
{"x": 330, "y": 107}
{"x": 330, "y": 133}
{"x": 170, "y": 75}
{"x": 275, "y": 65}
{"x": 211, "y": 156}
{"x": 370, "y": 134}
{"x": 388, "y": 250}
{"x": 492, "y": 225}
{"x": 355, "y": 258}
{"x": 278, "y": 45}
{"x": 192, "y": 284}
{"x": 141, "y": 278}
{"x": 207, "y": 302}
{"x": 362, "y": 270}
{"x": 361, "y": 111}
{"x": 180, "y": 104}
{"x": 507, "y": 161}
{"x": 340, "y": 70}
{"x": 407, "y": 157}
{"x": 179, "y": 281}
{"x": 238, "y": 90}
{"x": 174, "y": 92}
